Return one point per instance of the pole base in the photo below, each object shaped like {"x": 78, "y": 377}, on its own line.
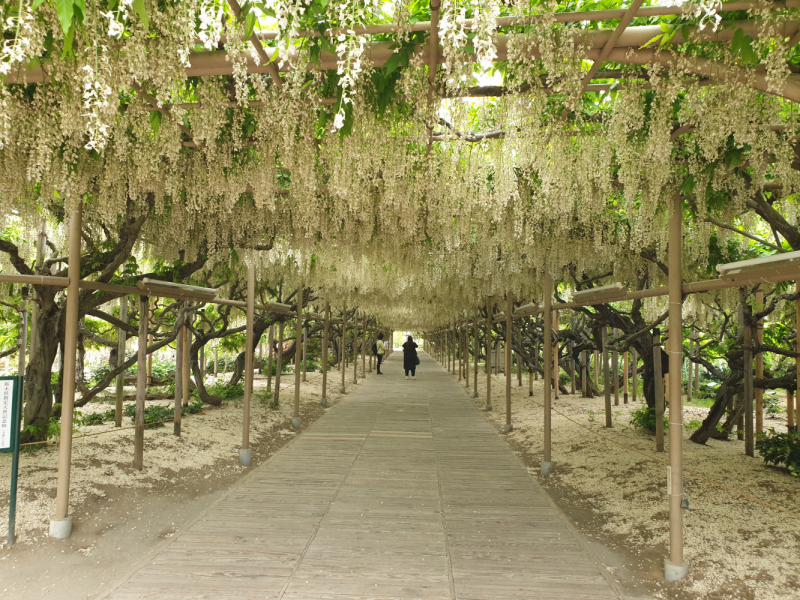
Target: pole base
{"x": 324, "y": 402}
{"x": 508, "y": 428}
{"x": 245, "y": 457}
{"x": 355, "y": 381}
{"x": 342, "y": 390}
{"x": 546, "y": 467}
{"x": 296, "y": 422}
{"x": 487, "y": 408}
{"x": 530, "y": 394}
{"x": 61, "y": 528}
{"x": 475, "y": 394}
{"x": 674, "y": 572}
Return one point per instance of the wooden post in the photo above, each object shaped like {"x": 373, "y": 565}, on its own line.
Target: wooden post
{"x": 606, "y": 376}
{"x": 508, "y": 373}
{"x": 270, "y": 352}
{"x": 547, "y": 462}
{"x": 615, "y": 369}
{"x": 458, "y": 345}
{"x": 625, "y": 376}
{"x": 466, "y": 352}
{"x": 570, "y": 349}
{"x": 296, "y": 415}
{"x": 278, "y": 366}
{"x": 178, "y": 400}
{"x": 759, "y": 364}
{"x": 497, "y": 357}
{"x": 477, "y": 347}
{"x": 584, "y": 374}
{"x": 122, "y": 336}
{"x": 325, "y": 333}
{"x": 489, "y": 355}
{"x": 141, "y": 384}
{"x": 658, "y": 376}
{"x": 305, "y": 355}
{"x": 791, "y": 425}
{"x": 689, "y": 385}
{"x": 675, "y": 569}
{"x": 355, "y": 348}
{"x": 635, "y": 382}
{"x": 595, "y": 369}
{"x": 245, "y": 453}
{"x": 61, "y": 524}
{"x": 363, "y": 347}
{"x": 216, "y": 360}
{"x": 556, "y": 365}
{"x": 343, "y": 351}
{"x": 152, "y": 313}
{"x": 187, "y": 346}
{"x": 747, "y": 395}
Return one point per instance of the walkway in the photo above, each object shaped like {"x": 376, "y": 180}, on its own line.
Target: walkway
{"x": 403, "y": 490}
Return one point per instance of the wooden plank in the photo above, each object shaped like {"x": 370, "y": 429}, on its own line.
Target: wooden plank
{"x": 401, "y": 491}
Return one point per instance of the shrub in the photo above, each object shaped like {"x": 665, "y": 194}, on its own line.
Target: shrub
{"x": 226, "y": 392}
{"x": 195, "y": 406}
{"x": 781, "y": 449}
{"x": 645, "y": 417}
{"x": 152, "y": 414}
{"x": 90, "y": 419}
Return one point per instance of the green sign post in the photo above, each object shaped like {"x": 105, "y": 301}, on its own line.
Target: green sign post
{"x": 10, "y": 415}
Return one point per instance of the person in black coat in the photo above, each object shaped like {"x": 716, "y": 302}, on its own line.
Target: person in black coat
{"x": 410, "y": 359}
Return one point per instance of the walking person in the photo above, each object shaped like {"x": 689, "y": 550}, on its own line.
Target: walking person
{"x": 410, "y": 358}
{"x": 379, "y": 351}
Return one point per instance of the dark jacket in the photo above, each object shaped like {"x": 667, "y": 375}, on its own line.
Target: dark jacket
{"x": 409, "y": 355}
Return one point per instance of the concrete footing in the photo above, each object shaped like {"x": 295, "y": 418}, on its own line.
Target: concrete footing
{"x": 296, "y": 422}
{"x": 547, "y": 467}
{"x": 342, "y": 390}
{"x": 474, "y": 394}
{"x": 245, "y": 457}
{"x": 487, "y": 408}
{"x": 61, "y": 528}
{"x": 508, "y": 428}
{"x": 674, "y": 572}
{"x": 324, "y": 402}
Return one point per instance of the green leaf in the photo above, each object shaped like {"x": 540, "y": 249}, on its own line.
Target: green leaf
{"x": 36, "y": 4}
{"x": 68, "y": 37}
{"x": 79, "y": 6}
{"x": 749, "y": 55}
{"x": 138, "y": 6}
{"x": 738, "y": 39}
{"x": 392, "y": 63}
{"x": 155, "y": 121}
{"x": 64, "y": 9}
{"x": 249, "y": 25}
{"x": 688, "y": 185}
{"x": 653, "y": 40}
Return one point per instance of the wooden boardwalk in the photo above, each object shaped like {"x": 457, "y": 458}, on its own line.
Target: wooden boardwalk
{"x": 402, "y": 490}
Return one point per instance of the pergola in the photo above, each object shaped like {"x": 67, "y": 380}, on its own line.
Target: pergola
{"x": 611, "y": 55}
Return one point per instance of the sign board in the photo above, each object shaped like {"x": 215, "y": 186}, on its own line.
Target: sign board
{"x": 9, "y": 412}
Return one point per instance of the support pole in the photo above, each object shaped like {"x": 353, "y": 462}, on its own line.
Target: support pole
{"x": 245, "y": 452}
{"x": 596, "y": 369}
{"x": 187, "y": 346}
{"x": 270, "y": 352}
{"x": 305, "y": 354}
{"x": 625, "y": 376}
{"x": 635, "y": 381}
{"x": 606, "y": 377}
{"x": 296, "y": 413}
{"x": 488, "y": 355}
{"x": 547, "y": 462}
{"x": 343, "y": 350}
{"x": 759, "y": 364}
{"x": 325, "y": 333}
{"x": 120, "y": 383}
{"x": 615, "y": 370}
{"x": 747, "y": 399}
{"x": 658, "y": 377}
{"x": 509, "y": 332}
{"x": 216, "y": 360}
{"x": 276, "y": 398}
{"x": 179, "y": 349}
{"x": 363, "y": 347}
{"x": 476, "y": 346}
{"x": 466, "y": 353}
{"x": 355, "y": 348}
{"x": 141, "y": 383}
{"x": 674, "y": 568}
{"x": 556, "y": 365}
{"x": 61, "y": 523}
{"x": 23, "y": 339}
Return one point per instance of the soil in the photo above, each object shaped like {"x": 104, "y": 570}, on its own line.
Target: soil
{"x": 616, "y": 498}
{"x": 119, "y": 514}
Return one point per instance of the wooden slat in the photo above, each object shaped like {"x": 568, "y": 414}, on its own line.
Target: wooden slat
{"x": 401, "y": 491}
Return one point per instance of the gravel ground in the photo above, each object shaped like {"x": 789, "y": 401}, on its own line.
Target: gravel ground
{"x": 736, "y": 548}
{"x": 121, "y": 514}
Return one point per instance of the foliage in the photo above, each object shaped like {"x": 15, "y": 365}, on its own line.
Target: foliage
{"x": 645, "y": 418}
{"x": 781, "y": 449}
